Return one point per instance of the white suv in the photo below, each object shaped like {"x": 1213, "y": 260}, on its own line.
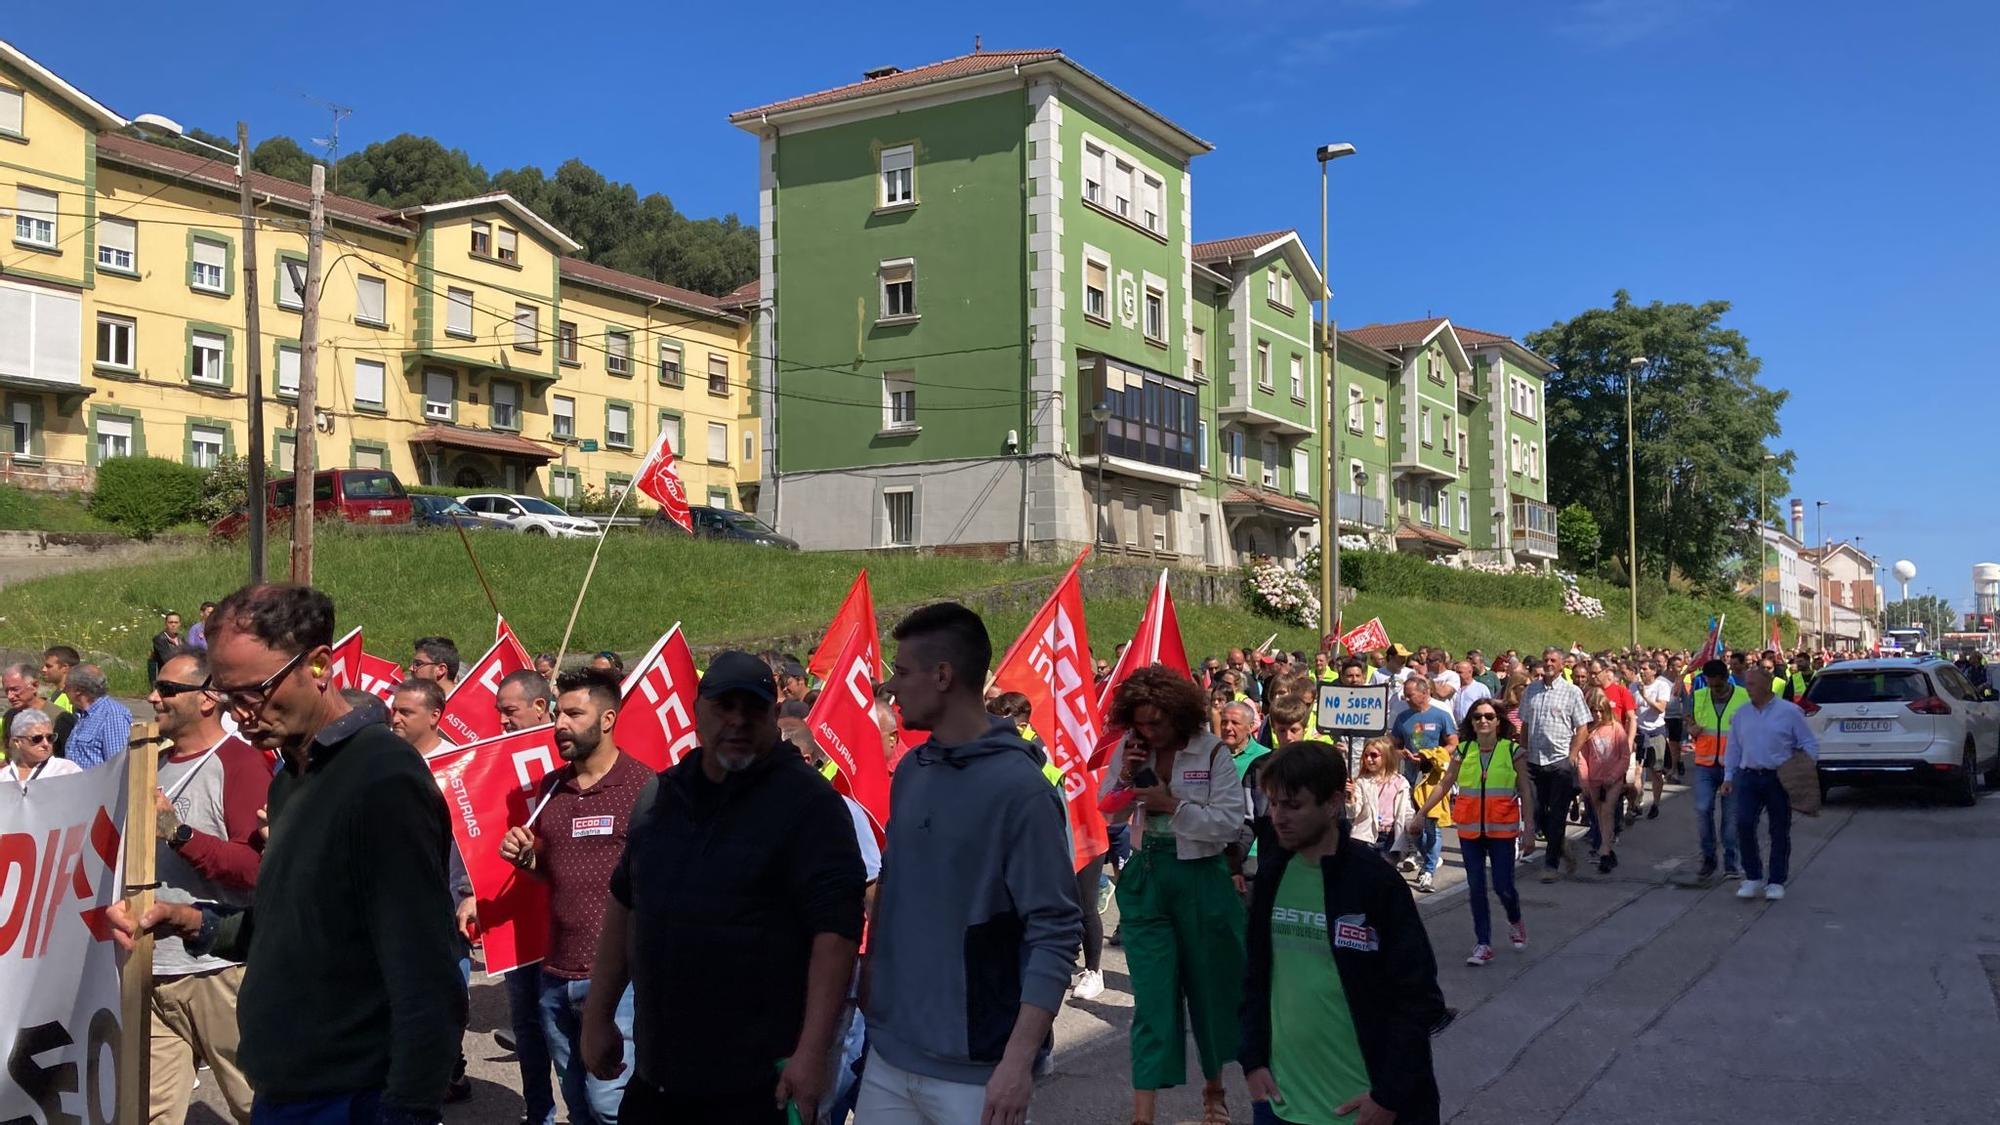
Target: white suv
{"x": 1904, "y": 720}
{"x": 533, "y": 515}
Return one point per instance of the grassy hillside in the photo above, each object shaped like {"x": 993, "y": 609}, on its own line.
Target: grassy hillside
{"x": 23, "y": 510}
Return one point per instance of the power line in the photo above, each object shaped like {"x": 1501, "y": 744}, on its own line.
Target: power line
{"x": 149, "y": 196}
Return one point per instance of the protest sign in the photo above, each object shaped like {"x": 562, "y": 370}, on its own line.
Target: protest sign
{"x": 1353, "y": 710}
{"x": 655, "y": 721}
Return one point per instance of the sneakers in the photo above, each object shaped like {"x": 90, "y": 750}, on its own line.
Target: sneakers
{"x": 1774, "y": 891}
{"x": 1407, "y": 865}
{"x": 1481, "y": 955}
{"x": 505, "y": 1037}
{"x": 1707, "y": 871}
{"x": 1653, "y": 811}
{"x": 1089, "y": 985}
{"x": 1751, "y": 888}
{"x": 1731, "y": 871}
{"x": 1518, "y": 934}
{"x": 1104, "y": 889}
{"x": 1424, "y": 883}
{"x": 1549, "y": 875}
{"x": 1117, "y": 936}
{"x": 1604, "y": 865}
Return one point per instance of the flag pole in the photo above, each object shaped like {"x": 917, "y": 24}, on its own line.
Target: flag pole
{"x": 135, "y": 982}
{"x": 479, "y": 571}
{"x": 562, "y": 650}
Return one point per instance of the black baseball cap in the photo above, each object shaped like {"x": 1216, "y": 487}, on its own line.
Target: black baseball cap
{"x": 738, "y": 671}
{"x": 1715, "y": 668}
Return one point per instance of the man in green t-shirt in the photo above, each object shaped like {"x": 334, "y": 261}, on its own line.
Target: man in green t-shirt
{"x": 1341, "y": 996}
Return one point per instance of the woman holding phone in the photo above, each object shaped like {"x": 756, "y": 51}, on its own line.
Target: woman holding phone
{"x": 1177, "y": 906}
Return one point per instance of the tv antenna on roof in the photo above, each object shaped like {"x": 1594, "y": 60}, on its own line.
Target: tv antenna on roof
{"x": 331, "y": 142}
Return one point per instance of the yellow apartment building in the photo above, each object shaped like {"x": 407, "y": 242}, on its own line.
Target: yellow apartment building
{"x": 461, "y": 343}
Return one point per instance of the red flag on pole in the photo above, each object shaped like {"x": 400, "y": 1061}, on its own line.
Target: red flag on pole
{"x": 655, "y": 721}
{"x": 1370, "y": 637}
{"x": 353, "y": 668}
{"x": 491, "y": 786}
{"x": 857, "y": 611}
{"x": 1050, "y": 664}
{"x": 1711, "y": 647}
{"x": 470, "y": 713}
{"x": 843, "y": 723}
{"x": 1156, "y": 641}
{"x": 1777, "y": 637}
{"x": 660, "y": 480}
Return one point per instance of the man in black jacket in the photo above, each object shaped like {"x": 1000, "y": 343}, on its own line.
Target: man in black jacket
{"x": 1340, "y": 994}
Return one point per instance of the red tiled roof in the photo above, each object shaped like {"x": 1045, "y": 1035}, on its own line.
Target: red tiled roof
{"x": 219, "y": 172}
{"x": 1243, "y": 494}
{"x": 577, "y": 269}
{"x": 1398, "y": 335}
{"x": 1223, "y": 249}
{"x": 741, "y": 297}
{"x": 1473, "y": 337}
{"x": 1408, "y": 530}
{"x": 485, "y": 441}
{"x": 964, "y": 66}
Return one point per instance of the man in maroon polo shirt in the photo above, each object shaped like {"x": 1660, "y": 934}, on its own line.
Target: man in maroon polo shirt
{"x": 574, "y": 843}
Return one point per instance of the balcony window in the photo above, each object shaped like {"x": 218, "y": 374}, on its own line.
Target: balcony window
{"x": 1152, "y": 416}
{"x": 440, "y": 389}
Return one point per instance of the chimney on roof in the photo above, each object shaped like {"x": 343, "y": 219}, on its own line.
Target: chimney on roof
{"x": 975, "y": 43}
{"x": 1799, "y": 520}
{"x": 874, "y": 72}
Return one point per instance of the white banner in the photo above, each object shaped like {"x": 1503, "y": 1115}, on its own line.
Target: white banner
{"x": 60, "y": 866}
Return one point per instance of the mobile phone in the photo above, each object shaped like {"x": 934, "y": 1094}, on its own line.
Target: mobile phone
{"x": 1144, "y": 778}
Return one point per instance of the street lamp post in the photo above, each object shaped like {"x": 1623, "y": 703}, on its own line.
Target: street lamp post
{"x": 1100, "y": 414}
{"x": 1329, "y": 490}
{"x": 251, "y": 336}
{"x": 1825, "y": 595}
{"x": 1763, "y": 576}
{"x": 1632, "y": 370}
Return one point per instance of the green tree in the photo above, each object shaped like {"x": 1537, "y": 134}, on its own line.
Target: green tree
{"x": 408, "y": 170}
{"x": 282, "y": 157}
{"x": 1933, "y": 613}
{"x": 1702, "y": 423}
{"x": 1578, "y": 536}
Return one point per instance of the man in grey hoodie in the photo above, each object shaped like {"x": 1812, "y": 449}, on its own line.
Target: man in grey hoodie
{"x": 976, "y": 921}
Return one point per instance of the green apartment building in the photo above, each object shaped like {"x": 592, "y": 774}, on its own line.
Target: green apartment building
{"x": 982, "y": 324}
{"x": 1454, "y": 419}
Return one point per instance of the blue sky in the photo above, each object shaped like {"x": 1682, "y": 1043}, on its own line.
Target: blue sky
{"x": 1826, "y": 166}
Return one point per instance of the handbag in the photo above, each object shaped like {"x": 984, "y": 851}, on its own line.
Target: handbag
{"x": 1800, "y": 776}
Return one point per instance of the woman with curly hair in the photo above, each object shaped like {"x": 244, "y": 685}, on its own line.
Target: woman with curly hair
{"x": 1176, "y": 904}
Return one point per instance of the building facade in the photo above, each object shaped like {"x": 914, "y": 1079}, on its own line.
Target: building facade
{"x": 460, "y": 344}
{"x": 984, "y": 325}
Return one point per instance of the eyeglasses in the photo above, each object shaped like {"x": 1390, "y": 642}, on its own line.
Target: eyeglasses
{"x": 37, "y": 739}
{"x": 1485, "y": 717}
{"x": 252, "y": 699}
{"x": 167, "y": 689}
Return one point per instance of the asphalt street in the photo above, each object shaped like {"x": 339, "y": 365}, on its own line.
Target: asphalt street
{"x": 1867, "y": 995}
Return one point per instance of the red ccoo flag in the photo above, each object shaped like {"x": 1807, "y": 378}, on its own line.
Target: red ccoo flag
{"x": 353, "y": 668}
{"x": 489, "y": 787}
{"x": 655, "y": 721}
{"x": 843, "y": 723}
{"x": 470, "y": 713}
{"x": 1050, "y": 664}
{"x": 1156, "y": 641}
{"x": 660, "y": 480}
{"x": 856, "y": 612}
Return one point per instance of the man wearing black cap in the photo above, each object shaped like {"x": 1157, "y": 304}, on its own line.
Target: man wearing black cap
{"x": 734, "y": 915}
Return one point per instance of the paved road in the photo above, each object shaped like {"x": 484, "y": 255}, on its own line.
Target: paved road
{"x": 1868, "y": 995}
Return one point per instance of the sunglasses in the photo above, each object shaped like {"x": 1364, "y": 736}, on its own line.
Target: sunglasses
{"x": 1485, "y": 717}
{"x": 167, "y": 689}
{"x": 251, "y": 699}
{"x": 37, "y": 739}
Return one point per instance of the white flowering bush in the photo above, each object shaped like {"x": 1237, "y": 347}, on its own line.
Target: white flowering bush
{"x": 1576, "y": 602}
{"x": 1277, "y": 591}
{"x": 1497, "y": 567}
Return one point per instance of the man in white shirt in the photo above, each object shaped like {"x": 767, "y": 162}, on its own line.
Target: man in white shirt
{"x": 1762, "y": 737}
{"x": 1470, "y": 691}
{"x": 1656, "y": 695}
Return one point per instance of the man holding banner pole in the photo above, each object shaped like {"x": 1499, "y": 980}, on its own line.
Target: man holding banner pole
{"x": 525, "y": 701}
{"x": 352, "y": 1005}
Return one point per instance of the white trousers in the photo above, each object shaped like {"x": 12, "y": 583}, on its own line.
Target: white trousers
{"x": 893, "y": 1096}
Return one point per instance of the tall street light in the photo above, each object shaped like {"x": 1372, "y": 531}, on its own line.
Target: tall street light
{"x": 251, "y": 337}
{"x": 1632, "y": 370}
{"x": 1763, "y": 576}
{"x": 1100, "y": 413}
{"x": 1825, "y": 615}
{"x": 1329, "y": 482}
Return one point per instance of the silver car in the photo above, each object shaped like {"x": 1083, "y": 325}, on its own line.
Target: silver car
{"x": 1904, "y": 720}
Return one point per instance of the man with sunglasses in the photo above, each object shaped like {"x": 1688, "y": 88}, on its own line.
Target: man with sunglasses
{"x": 211, "y": 786}
{"x": 352, "y": 1005}
{"x": 435, "y": 658}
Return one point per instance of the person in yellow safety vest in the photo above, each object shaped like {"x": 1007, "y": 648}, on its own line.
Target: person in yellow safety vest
{"x": 1713, "y": 706}
{"x": 1323, "y": 669}
{"x": 1489, "y": 790}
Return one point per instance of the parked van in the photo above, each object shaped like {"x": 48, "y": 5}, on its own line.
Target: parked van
{"x": 349, "y": 495}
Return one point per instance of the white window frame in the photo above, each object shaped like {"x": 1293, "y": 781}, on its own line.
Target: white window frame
{"x": 677, "y": 366}
{"x": 527, "y": 327}
{"x": 1298, "y": 377}
{"x": 13, "y": 107}
{"x": 613, "y": 436}
{"x": 1198, "y": 352}
{"x": 208, "y": 373}
{"x": 1152, "y": 202}
{"x": 1155, "y": 296}
{"x": 674, "y": 435}
{"x": 718, "y": 443}
{"x": 363, "y": 283}
{"x": 291, "y": 286}
{"x": 297, "y": 357}
{"x": 458, "y": 312}
{"x": 562, "y": 484}
{"x": 1464, "y": 514}
{"x": 617, "y": 351}
{"x": 749, "y": 445}
{"x": 21, "y": 428}
{"x": 562, "y": 417}
{"x": 363, "y": 366}
{"x": 1093, "y": 172}
{"x": 1201, "y": 444}
{"x": 1301, "y": 472}
{"x": 899, "y": 400}
{"x": 892, "y": 274}
{"x": 111, "y": 255}
{"x": 435, "y": 409}
{"x": 35, "y": 216}
{"x": 123, "y": 326}
{"x": 1235, "y": 447}
{"x": 198, "y": 275}
{"x": 110, "y": 426}
{"x": 507, "y": 245}
{"x": 512, "y": 419}
{"x": 1424, "y": 426}
{"x": 481, "y": 244}
{"x": 908, "y": 497}
{"x": 1124, "y": 174}
{"x": 1381, "y": 418}
{"x": 1357, "y": 410}
{"x": 216, "y": 436}
{"x": 1097, "y": 259}
{"x": 1268, "y": 465}
{"x": 367, "y": 458}
{"x": 1514, "y": 446}
{"x": 1264, "y": 365}
{"x": 718, "y": 375}
{"x": 898, "y": 178}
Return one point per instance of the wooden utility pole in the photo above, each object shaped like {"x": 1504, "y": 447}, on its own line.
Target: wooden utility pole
{"x": 304, "y": 495}
{"x": 254, "y": 370}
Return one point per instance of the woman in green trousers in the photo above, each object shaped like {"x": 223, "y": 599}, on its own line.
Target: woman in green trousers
{"x": 1181, "y": 917}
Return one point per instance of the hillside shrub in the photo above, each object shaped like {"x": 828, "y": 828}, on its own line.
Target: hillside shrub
{"x": 146, "y": 495}
{"x": 225, "y": 485}
{"x": 1398, "y": 575}
{"x": 1282, "y": 593}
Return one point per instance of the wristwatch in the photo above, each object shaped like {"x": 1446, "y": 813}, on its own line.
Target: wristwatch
{"x": 182, "y": 834}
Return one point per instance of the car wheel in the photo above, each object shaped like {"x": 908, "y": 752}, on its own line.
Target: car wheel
{"x": 536, "y": 529}
{"x": 1965, "y": 790}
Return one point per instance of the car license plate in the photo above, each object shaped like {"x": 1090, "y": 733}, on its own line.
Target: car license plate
{"x": 378, "y": 511}
{"x": 1864, "y": 726}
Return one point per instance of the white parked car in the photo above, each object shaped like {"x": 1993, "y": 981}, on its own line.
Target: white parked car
{"x": 1908, "y": 720}
{"x": 532, "y": 515}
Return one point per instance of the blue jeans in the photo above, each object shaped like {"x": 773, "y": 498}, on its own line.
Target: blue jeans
{"x": 1430, "y": 845}
{"x": 1261, "y": 1113}
{"x": 531, "y": 1048}
{"x": 591, "y": 1100}
{"x": 1477, "y": 852}
{"x": 1761, "y": 791}
{"x": 1708, "y": 779}
{"x": 364, "y": 1108}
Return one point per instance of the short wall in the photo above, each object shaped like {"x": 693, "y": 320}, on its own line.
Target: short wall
{"x": 61, "y": 544}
